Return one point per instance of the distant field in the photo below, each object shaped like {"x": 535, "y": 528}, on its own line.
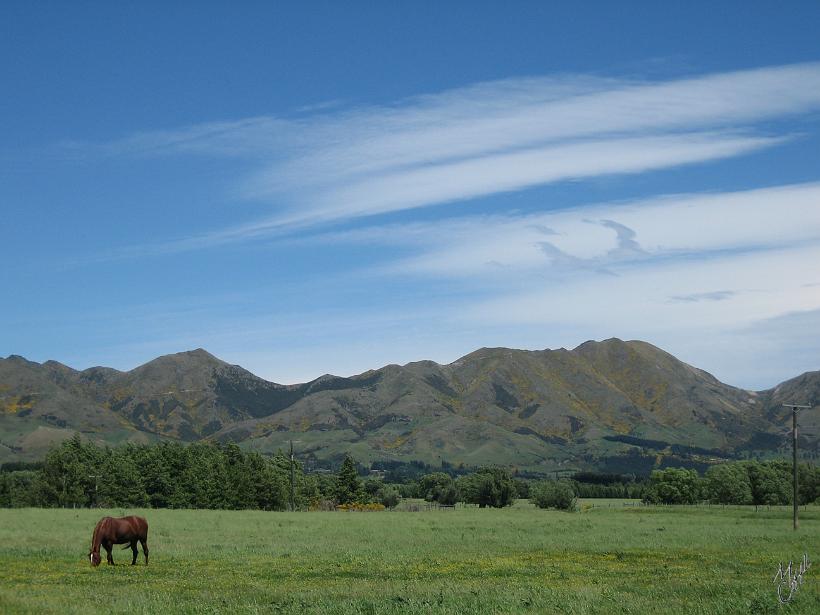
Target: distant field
{"x": 608, "y": 559}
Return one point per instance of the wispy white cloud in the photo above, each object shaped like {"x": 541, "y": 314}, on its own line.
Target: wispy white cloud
{"x": 638, "y": 298}
{"x": 670, "y": 269}
{"x": 508, "y": 115}
{"x": 604, "y": 235}
{"x": 496, "y": 116}
{"x": 475, "y": 177}
{"x": 329, "y": 165}
{"x": 715, "y": 295}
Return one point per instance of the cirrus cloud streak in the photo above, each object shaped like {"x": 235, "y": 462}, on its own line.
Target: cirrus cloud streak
{"x": 334, "y": 165}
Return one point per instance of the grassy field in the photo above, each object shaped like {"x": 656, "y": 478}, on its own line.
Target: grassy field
{"x": 614, "y": 559}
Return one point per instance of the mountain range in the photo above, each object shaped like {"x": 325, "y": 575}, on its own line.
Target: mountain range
{"x": 619, "y": 406}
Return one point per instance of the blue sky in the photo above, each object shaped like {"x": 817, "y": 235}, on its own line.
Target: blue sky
{"x": 323, "y": 188}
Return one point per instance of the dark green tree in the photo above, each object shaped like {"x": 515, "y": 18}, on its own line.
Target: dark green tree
{"x": 449, "y": 495}
{"x": 349, "y": 487}
{"x": 437, "y": 487}
{"x": 271, "y": 481}
{"x": 372, "y": 486}
{"x": 770, "y": 482}
{"x": 728, "y": 483}
{"x": 522, "y": 488}
{"x": 156, "y": 476}
{"x": 19, "y": 489}
{"x": 487, "y": 487}
{"x": 68, "y": 476}
{"x": 808, "y": 483}
{"x": 120, "y": 482}
{"x": 241, "y": 478}
{"x": 673, "y": 486}
{"x": 203, "y": 481}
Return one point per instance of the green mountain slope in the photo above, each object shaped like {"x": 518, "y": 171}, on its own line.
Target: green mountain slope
{"x": 611, "y": 404}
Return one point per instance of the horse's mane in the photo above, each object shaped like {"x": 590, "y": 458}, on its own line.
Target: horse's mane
{"x": 97, "y": 529}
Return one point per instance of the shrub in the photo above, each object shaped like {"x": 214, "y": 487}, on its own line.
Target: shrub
{"x": 324, "y": 505}
{"x": 388, "y": 496}
{"x": 357, "y": 507}
{"x": 554, "y": 494}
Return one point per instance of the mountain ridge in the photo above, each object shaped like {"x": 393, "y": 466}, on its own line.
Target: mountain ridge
{"x": 588, "y": 407}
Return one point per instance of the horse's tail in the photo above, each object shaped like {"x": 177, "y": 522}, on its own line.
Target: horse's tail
{"x": 142, "y": 527}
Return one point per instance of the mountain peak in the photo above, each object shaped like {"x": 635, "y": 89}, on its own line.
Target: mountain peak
{"x": 489, "y": 353}
{"x": 612, "y": 342}
{"x": 16, "y": 358}
{"x": 57, "y": 365}
{"x": 198, "y": 356}
{"x": 198, "y": 352}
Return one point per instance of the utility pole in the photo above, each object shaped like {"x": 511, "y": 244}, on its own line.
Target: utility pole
{"x": 292, "y": 479}
{"x": 795, "y": 408}
{"x": 96, "y": 487}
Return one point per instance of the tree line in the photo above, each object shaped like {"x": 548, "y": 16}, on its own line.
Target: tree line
{"x": 79, "y": 473}
{"x": 741, "y": 482}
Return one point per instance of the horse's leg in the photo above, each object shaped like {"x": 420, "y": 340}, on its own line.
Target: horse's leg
{"x": 144, "y": 543}
{"x": 108, "y": 546}
{"x": 134, "y": 551}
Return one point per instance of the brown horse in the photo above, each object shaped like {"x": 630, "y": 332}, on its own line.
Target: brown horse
{"x": 124, "y": 530}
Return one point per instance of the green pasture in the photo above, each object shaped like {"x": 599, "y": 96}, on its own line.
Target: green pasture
{"x": 606, "y": 559}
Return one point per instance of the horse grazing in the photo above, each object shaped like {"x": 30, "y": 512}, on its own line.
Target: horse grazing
{"x": 124, "y": 530}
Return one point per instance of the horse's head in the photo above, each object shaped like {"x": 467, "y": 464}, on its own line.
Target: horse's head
{"x": 94, "y": 558}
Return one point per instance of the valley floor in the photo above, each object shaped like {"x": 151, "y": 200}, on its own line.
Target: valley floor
{"x": 606, "y": 559}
